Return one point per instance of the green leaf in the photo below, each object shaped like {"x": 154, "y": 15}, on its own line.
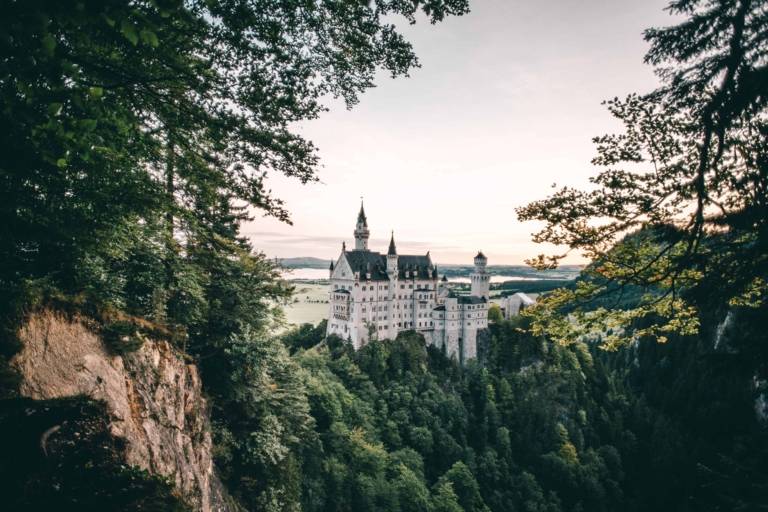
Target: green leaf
{"x": 150, "y": 38}
{"x": 61, "y": 163}
{"x": 49, "y": 44}
{"x": 129, "y": 32}
{"x": 88, "y": 124}
{"x": 54, "y": 109}
{"x": 96, "y": 92}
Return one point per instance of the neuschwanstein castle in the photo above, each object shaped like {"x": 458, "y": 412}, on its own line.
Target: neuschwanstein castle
{"x": 375, "y": 296}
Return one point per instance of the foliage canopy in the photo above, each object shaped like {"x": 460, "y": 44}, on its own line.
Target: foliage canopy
{"x": 690, "y": 169}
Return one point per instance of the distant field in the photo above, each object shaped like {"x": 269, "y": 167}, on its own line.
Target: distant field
{"x": 310, "y": 304}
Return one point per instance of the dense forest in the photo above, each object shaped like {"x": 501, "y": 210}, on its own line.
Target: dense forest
{"x": 139, "y": 137}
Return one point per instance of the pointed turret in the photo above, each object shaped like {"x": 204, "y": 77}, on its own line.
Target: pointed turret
{"x": 361, "y": 230}
{"x": 330, "y": 269}
{"x": 361, "y": 216}
{"x": 392, "y": 257}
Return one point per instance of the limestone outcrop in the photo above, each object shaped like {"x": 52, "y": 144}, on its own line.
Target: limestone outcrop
{"x": 152, "y": 395}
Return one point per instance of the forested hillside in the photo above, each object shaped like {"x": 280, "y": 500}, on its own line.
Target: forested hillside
{"x": 399, "y": 427}
{"x": 141, "y": 137}
{"x": 535, "y": 425}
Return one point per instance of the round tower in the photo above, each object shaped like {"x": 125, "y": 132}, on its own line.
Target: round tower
{"x": 481, "y": 280}
{"x": 361, "y": 231}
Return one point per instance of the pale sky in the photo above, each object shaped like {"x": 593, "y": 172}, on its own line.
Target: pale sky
{"x": 504, "y": 106}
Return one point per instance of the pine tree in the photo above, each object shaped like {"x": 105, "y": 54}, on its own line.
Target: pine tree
{"x": 690, "y": 171}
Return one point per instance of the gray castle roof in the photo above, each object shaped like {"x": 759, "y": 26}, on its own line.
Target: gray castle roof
{"x": 376, "y": 264}
{"x": 361, "y": 261}
{"x": 471, "y": 299}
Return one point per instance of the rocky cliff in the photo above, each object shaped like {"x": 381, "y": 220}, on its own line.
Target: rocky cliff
{"x": 152, "y": 397}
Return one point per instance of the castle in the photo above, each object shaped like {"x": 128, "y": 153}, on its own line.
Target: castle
{"x": 375, "y": 296}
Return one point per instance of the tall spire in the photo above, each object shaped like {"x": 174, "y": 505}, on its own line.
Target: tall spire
{"x": 361, "y": 220}
{"x": 392, "y": 258}
{"x": 361, "y": 230}
{"x": 392, "y": 251}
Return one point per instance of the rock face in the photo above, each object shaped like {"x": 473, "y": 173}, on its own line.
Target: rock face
{"x": 152, "y": 395}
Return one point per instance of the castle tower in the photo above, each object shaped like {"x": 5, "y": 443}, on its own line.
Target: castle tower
{"x": 392, "y": 257}
{"x": 481, "y": 280}
{"x": 361, "y": 231}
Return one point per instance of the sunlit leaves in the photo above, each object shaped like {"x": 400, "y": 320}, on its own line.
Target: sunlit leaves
{"x": 687, "y": 174}
{"x": 753, "y": 296}
{"x": 686, "y": 179}
{"x": 129, "y": 31}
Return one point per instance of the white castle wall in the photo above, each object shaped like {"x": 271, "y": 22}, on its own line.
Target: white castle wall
{"x": 362, "y": 309}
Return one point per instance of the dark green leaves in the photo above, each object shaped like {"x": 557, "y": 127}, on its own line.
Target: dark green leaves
{"x": 129, "y": 32}
{"x": 49, "y": 44}
{"x": 94, "y": 92}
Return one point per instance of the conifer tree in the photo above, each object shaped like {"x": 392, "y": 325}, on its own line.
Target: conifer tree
{"x": 690, "y": 170}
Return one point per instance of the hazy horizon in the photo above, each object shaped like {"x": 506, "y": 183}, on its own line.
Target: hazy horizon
{"x": 327, "y": 260}
{"x": 505, "y": 105}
